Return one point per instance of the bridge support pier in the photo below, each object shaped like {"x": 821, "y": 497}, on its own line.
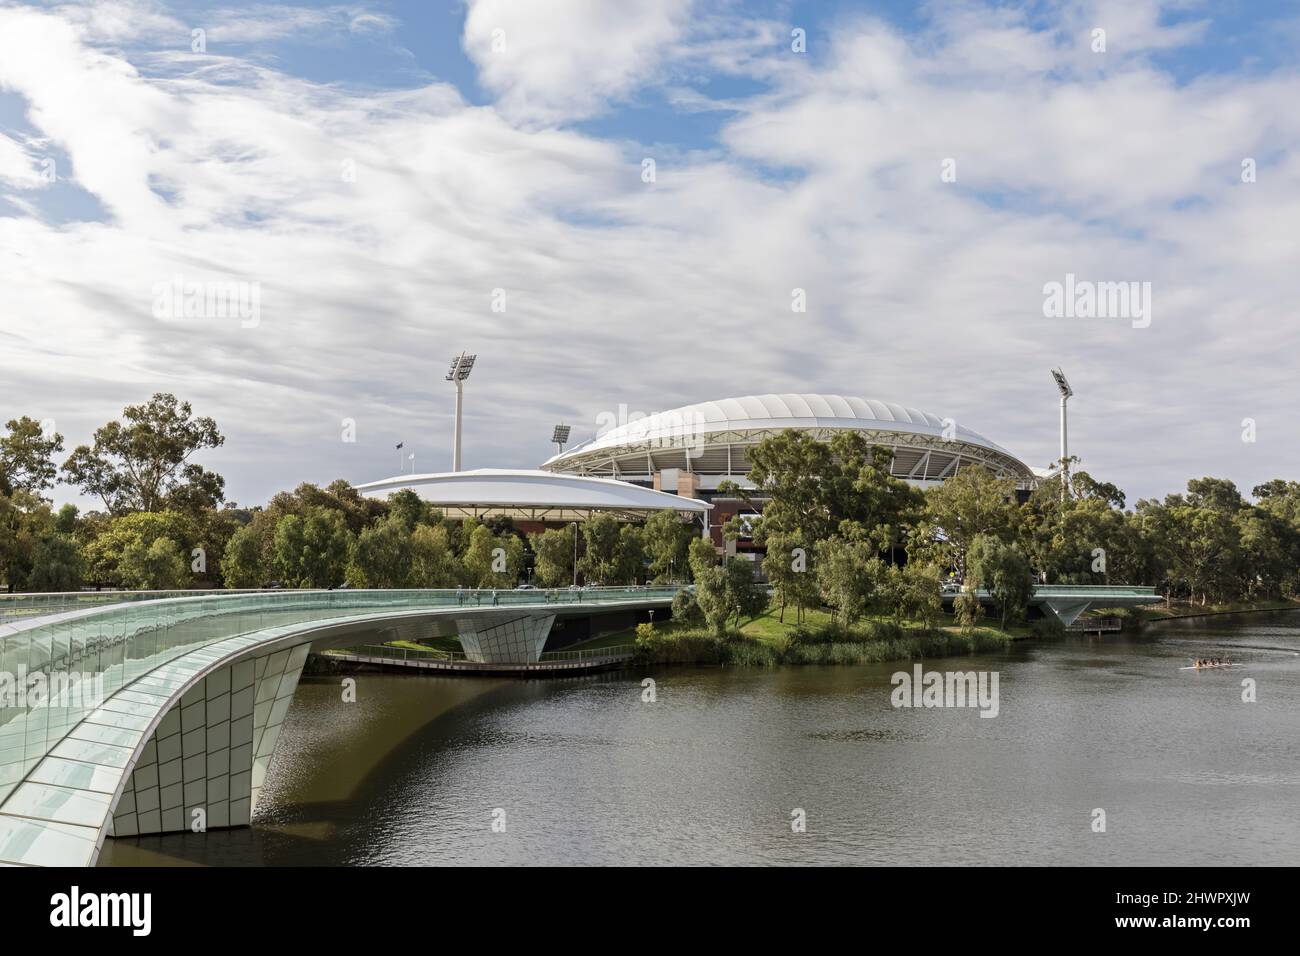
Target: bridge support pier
{"x": 505, "y": 638}
{"x": 1067, "y": 612}
{"x": 203, "y": 767}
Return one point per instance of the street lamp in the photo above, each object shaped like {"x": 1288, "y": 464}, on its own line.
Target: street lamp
{"x": 1066, "y": 392}
{"x": 560, "y": 436}
{"x": 461, "y": 366}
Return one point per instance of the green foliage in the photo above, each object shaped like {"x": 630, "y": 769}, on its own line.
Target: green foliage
{"x": 382, "y": 555}
{"x": 25, "y": 520}
{"x": 433, "y": 562}
{"x": 613, "y": 551}
{"x": 722, "y": 590}
{"x": 875, "y": 642}
{"x": 142, "y": 464}
{"x": 156, "y": 566}
{"x": 666, "y": 539}
{"x": 970, "y": 503}
{"x": 493, "y": 561}
{"x": 788, "y": 571}
{"x": 312, "y": 551}
{"x": 1004, "y": 571}
{"x": 106, "y": 554}
{"x": 27, "y": 457}
{"x": 242, "y": 564}
{"x": 912, "y": 591}
{"x": 56, "y": 565}
{"x": 842, "y": 487}
{"x": 968, "y": 611}
{"x": 686, "y": 610}
{"x": 553, "y": 556}
{"x": 849, "y": 576}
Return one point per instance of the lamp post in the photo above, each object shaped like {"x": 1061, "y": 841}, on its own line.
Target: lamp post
{"x": 461, "y": 366}
{"x": 561, "y": 436}
{"x": 1066, "y": 392}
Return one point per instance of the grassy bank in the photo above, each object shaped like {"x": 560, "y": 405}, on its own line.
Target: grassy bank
{"x": 765, "y": 641}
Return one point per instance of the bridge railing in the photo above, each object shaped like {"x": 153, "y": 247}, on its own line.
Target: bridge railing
{"x": 50, "y": 660}
{"x": 592, "y": 653}
{"x": 389, "y": 652}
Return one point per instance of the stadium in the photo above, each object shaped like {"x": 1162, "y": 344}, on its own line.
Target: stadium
{"x": 689, "y": 450}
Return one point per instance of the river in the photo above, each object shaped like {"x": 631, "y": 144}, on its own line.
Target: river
{"x": 583, "y": 771}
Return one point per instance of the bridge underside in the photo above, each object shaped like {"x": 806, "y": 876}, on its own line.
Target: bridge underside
{"x": 203, "y": 767}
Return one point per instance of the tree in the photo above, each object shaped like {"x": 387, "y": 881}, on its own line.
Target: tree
{"x": 493, "y": 561}
{"x": 410, "y": 509}
{"x": 25, "y": 520}
{"x": 842, "y": 487}
{"x": 27, "y": 457}
{"x": 913, "y": 591}
{"x": 968, "y": 610}
{"x": 613, "y": 551}
{"x": 433, "y": 562}
{"x": 56, "y": 565}
{"x": 970, "y": 503}
{"x": 710, "y": 580}
{"x": 158, "y": 566}
{"x": 599, "y": 561}
{"x": 629, "y": 563}
{"x": 787, "y": 570}
{"x": 144, "y": 464}
{"x": 667, "y": 540}
{"x": 849, "y": 575}
{"x": 313, "y": 551}
{"x": 743, "y": 593}
{"x": 242, "y": 565}
{"x": 686, "y": 610}
{"x": 1004, "y": 571}
{"x": 553, "y": 556}
{"x": 134, "y": 533}
{"x": 382, "y": 556}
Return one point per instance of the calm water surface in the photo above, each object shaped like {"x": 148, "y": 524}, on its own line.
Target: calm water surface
{"x": 586, "y": 773}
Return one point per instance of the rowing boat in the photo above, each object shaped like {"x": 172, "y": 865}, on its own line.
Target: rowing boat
{"x": 1208, "y": 667}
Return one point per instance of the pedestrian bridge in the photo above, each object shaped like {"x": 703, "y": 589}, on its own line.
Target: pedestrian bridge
{"x": 137, "y": 713}
{"x": 1066, "y": 602}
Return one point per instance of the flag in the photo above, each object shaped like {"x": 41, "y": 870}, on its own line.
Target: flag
{"x": 411, "y": 457}
{"x": 400, "y": 444}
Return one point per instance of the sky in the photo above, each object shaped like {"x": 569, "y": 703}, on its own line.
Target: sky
{"x": 620, "y": 208}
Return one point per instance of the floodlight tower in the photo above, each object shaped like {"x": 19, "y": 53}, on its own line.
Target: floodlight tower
{"x": 560, "y": 436}
{"x": 1066, "y": 392}
{"x": 461, "y": 366}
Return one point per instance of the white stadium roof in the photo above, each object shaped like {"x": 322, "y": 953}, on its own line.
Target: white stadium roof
{"x": 745, "y": 420}
{"x": 532, "y": 495}
{"x": 779, "y": 412}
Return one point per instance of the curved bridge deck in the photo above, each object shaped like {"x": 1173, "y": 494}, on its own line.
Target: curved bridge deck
{"x": 161, "y": 714}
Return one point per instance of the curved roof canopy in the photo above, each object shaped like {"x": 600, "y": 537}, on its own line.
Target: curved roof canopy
{"x": 532, "y": 495}
{"x": 747, "y": 419}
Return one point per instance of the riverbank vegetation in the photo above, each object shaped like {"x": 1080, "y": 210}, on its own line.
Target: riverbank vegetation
{"x": 765, "y": 640}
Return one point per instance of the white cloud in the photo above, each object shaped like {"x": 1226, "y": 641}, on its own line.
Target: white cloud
{"x": 920, "y": 291}
{"x": 565, "y": 59}
{"x": 16, "y": 166}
